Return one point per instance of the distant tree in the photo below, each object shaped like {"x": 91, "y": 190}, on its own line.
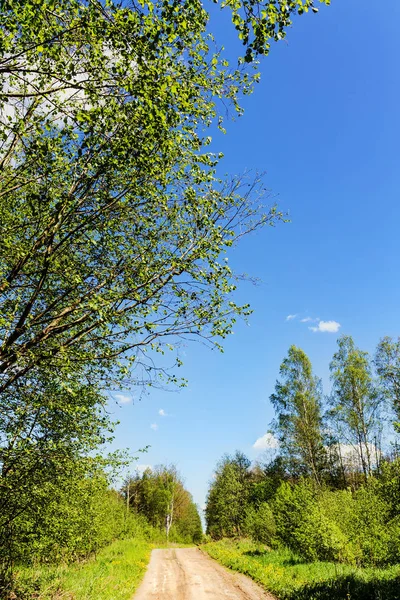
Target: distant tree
{"x": 387, "y": 364}
{"x": 356, "y": 404}
{"x": 228, "y": 496}
{"x": 297, "y": 402}
{"x": 189, "y": 525}
{"x": 159, "y": 494}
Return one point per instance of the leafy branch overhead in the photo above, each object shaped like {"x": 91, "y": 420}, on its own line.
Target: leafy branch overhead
{"x": 260, "y": 22}
{"x": 113, "y": 221}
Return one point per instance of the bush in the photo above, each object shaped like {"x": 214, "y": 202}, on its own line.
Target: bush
{"x": 82, "y": 516}
{"x": 260, "y": 524}
{"x": 304, "y": 527}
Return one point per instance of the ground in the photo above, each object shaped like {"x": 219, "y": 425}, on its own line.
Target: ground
{"x": 188, "y": 574}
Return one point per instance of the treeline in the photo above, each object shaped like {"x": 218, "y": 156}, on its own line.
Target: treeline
{"x": 333, "y": 491}
{"x": 160, "y": 496}
{"x": 80, "y": 513}
{"x": 85, "y": 513}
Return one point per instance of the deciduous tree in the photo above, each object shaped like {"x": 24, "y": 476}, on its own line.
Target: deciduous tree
{"x": 228, "y": 496}
{"x": 356, "y": 403}
{"x": 298, "y": 402}
{"x": 387, "y": 363}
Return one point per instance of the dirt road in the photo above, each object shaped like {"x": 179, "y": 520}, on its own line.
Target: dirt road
{"x": 187, "y": 574}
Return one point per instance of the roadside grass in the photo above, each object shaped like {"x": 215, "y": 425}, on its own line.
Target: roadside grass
{"x": 114, "y": 574}
{"x": 286, "y": 576}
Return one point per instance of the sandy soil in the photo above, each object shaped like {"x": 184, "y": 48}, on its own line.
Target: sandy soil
{"x": 188, "y": 574}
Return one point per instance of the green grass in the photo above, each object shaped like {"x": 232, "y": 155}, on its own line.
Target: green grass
{"x": 114, "y": 574}
{"x": 289, "y": 578}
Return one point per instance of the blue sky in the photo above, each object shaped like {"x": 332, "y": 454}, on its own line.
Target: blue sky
{"x": 324, "y": 124}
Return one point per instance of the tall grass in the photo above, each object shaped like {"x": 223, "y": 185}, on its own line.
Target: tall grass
{"x": 289, "y": 578}
{"x": 114, "y": 574}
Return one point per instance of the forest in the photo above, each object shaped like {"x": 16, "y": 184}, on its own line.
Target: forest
{"x": 332, "y": 492}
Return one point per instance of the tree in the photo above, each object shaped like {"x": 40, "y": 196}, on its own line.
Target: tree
{"x": 159, "y": 494}
{"x": 49, "y": 427}
{"x": 387, "y": 363}
{"x": 356, "y": 404}
{"x": 297, "y": 402}
{"x": 112, "y": 220}
{"x": 228, "y": 496}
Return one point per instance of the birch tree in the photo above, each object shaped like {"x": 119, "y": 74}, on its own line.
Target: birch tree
{"x": 387, "y": 363}
{"x": 356, "y": 403}
{"x": 298, "y": 402}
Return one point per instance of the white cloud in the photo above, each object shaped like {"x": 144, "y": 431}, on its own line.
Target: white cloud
{"x": 122, "y": 398}
{"x": 267, "y": 442}
{"x": 307, "y": 320}
{"x": 154, "y": 426}
{"x": 162, "y": 413}
{"x": 351, "y": 457}
{"x": 142, "y": 468}
{"x": 290, "y": 317}
{"x": 204, "y": 506}
{"x": 326, "y": 327}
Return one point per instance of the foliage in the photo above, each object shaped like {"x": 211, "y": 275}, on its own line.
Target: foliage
{"x": 357, "y": 527}
{"x": 83, "y": 515}
{"x": 49, "y": 427}
{"x": 228, "y": 497}
{"x": 285, "y": 574}
{"x": 298, "y": 402}
{"x": 347, "y": 510}
{"x": 160, "y": 496}
{"x": 260, "y": 524}
{"x": 112, "y": 220}
{"x": 260, "y": 22}
{"x": 304, "y": 527}
{"x": 387, "y": 363}
{"x": 356, "y": 402}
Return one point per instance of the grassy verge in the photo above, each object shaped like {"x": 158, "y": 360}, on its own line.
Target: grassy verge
{"x": 289, "y": 578}
{"x": 114, "y": 574}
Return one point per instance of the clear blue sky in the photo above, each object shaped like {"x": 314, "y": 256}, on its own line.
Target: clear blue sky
{"x": 324, "y": 124}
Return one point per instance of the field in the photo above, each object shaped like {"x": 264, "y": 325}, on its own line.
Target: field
{"x": 289, "y": 578}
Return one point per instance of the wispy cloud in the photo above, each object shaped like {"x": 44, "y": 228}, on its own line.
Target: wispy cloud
{"x": 290, "y": 317}
{"x": 267, "y": 442}
{"x": 122, "y": 398}
{"x": 154, "y": 426}
{"x": 142, "y": 468}
{"x": 162, "y": 413}
{"x": 308, "y": 320}
{"x": 326, "y": 327}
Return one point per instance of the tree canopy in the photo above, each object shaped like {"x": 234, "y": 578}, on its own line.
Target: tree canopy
{"x": 113, "y": 222}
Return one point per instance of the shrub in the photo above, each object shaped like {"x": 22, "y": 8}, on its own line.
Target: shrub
{"x": 260, "y": 524}
{"x": 303, "y": 525}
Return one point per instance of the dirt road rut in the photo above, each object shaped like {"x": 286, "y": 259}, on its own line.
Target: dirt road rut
{"x": 187, "y": 574}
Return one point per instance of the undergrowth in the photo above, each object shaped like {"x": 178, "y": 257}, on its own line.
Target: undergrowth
{"x": 284, "y": 574}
